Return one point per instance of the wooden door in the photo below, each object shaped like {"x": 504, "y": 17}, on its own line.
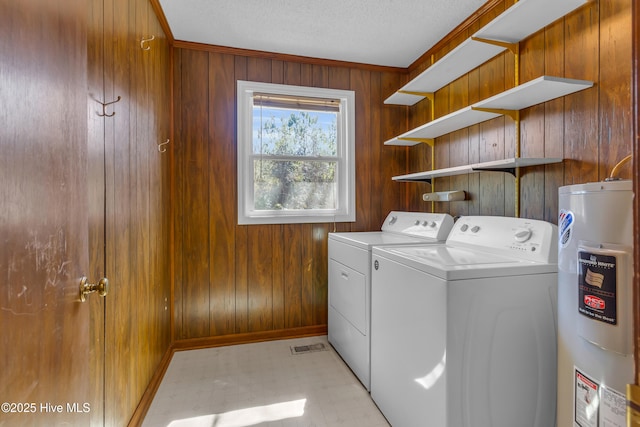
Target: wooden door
{"x": 44, "y": 345}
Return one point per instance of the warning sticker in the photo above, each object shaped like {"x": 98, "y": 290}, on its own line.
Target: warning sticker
{"x": 613, "y": 408}
{"x": 597, "y": 286}
{"x": 586, "y": 401}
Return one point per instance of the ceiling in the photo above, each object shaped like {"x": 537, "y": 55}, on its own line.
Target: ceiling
{"x": 379, "y": 32}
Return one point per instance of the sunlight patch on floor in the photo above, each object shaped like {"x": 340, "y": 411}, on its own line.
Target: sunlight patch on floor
{"x": 246, "y": 417}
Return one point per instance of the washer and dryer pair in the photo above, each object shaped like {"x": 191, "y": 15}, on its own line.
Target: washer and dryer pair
{"x": 463, "y": 332}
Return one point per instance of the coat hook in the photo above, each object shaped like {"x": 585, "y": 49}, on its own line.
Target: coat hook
{"x": 142, "y": 42}
{"x": 104, "y": 108}
{"x": 161, "y": 146}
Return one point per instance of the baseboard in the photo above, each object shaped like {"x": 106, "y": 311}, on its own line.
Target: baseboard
{"x": 147, "y": 397}
{"x": 249, "y": 337}
{"x": 196, "y": 343}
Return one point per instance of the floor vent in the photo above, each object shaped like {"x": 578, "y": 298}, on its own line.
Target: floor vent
{"x": 304, "y": 349}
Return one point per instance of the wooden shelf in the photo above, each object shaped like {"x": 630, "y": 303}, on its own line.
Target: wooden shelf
{"x": 515, "y": 24}
{"x": 506, "y": 165}
{"x": 534, "y": 92}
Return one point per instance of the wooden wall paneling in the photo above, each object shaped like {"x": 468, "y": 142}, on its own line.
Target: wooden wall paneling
{"x": 292, "y": 75}
{"x": 532, "y": 195}
{"x": 614, "y": 86}
{"x": 260, "y": 277}
{"x": 195, "y": 128}
{"x": 293, "y": 276}
{"x": 393, "y": 160}
{"x": 553, "y": 121}
{"x": 581, "y": 109}
{"x": 492, "y": 141}
{"x": 222, "y": 193}
{"x": 279, "y": 268}
{"x": 277, "y": 71}
{"x": 160, "y": 119}
{"x": 378, "y": 168}
{"x": 241, "y": 73}
{"x": 306, "y": 230}
{"x": 419, "y": 156}
{"x": 360, "y": 83}
{"x": 320, "y": 264}
{"x": 119, "y": 224}
{"x": 141, "y": 143}
{"x": 179, "y": 176}
{"x": 473, "y": 196}
{"x": 319, "y": 75}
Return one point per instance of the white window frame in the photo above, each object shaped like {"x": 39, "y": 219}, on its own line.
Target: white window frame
{"x": 345, "y": 211}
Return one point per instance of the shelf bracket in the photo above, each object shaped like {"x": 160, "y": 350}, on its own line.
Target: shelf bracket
{"x": 428, "y": 141}
{"x": 513, "y": 47}
{"x": 428, "y": 95}
{"x": 511, "y": 113}
{"x": 512, "y": 171}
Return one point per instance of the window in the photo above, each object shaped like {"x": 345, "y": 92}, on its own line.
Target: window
{"x": 296, "y": 156}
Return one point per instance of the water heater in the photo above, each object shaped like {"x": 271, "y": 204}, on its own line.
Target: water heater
{"x": 595, "y": 319}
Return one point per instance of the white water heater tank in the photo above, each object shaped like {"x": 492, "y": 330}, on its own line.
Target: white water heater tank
{"x": 595, "y": 319}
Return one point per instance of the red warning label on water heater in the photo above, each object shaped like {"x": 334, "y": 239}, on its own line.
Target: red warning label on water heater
{"x": 597, "y": 286}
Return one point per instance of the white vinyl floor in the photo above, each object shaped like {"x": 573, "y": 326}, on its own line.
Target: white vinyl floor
{"x": 262, "y": 384}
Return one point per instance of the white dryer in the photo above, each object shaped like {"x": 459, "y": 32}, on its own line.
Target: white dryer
{"x": 349, "y": 317}
{"x": 464, "y": 333}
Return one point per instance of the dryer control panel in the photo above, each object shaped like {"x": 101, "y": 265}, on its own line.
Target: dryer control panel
{"x": 529, "y": 239}
{"x": 420, "y": 224}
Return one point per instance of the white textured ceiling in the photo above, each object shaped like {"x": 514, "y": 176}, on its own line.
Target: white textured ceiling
{"x": 379, "y": 32}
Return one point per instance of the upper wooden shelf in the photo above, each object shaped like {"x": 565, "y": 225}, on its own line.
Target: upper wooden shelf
{"x": 515, "y": 24}
{"x": 534, "y": 92}
{"x": 505, "y": 165}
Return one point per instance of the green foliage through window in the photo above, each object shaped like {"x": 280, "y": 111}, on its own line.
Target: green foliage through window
{"x": 294, "y": 159}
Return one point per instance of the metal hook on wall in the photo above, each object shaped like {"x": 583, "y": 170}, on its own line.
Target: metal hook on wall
{"x": 143, "y": 41}
{"x": 104, "y": 108}
{"x": 161, "y": 146}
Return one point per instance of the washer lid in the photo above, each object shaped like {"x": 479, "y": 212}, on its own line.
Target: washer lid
{"x": 368, "y": 239}
{"x": 454, "y": 263}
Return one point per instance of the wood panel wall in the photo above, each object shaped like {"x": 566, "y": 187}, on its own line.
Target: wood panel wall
{"x": 591, "y": 130}
{"x": 130, "y": 211}
{"x": 232, "y": 279}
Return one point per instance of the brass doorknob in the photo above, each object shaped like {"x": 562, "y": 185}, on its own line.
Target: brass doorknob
{"x": 102, "y": 288}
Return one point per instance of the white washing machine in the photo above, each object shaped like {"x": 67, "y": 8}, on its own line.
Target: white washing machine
{"x": 464, "y": 333}
{"x": 349, "y": 317}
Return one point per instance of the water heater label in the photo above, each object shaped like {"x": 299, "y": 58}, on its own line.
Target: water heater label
{"x": 586, "y": 402}
{"x": 597, "y": 286}
{"x": 565, "y": 227}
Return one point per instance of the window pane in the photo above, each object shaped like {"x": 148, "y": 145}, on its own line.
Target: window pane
{"x": 291, "y": 132}
{"x": 294, "y": 185}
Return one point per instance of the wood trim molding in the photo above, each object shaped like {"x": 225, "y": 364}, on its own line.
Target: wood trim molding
{"x": 147, "y": 397}
{"x": 467, "y": 23}
{"x": 284, "y": 57}
{"x": 155, "y": 4}
{"x": 250, "y": 337}
{"x": 197, "y": 343}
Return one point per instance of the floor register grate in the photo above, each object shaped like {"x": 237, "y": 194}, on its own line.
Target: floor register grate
{"x": 304, "y": 349}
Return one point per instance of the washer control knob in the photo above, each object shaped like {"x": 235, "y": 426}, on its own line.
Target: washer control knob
{"x": 522, "y": 235}
{"x": 433, "y": 224}
{"x": 425, "y": 223}
{"x": 464, "y": 227}
{"x": 393, "y": 220}
{"x": 475, "y": 229}
{"x": 417, "y": 222}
